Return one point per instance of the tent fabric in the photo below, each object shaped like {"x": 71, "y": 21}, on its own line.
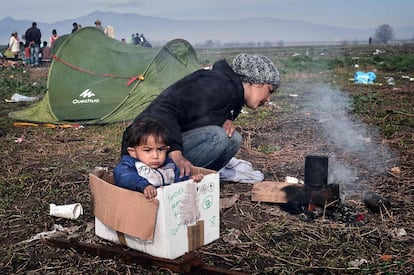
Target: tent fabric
{"x": 94, "y": 79}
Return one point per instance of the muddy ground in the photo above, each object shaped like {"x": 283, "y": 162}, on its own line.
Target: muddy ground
{"x": 365, "y": 130}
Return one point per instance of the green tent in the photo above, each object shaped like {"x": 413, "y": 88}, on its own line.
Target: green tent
{"x": 94, "y": 79}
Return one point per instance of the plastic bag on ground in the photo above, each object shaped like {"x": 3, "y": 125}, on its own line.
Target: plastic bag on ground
{"x": 364, "y": 77}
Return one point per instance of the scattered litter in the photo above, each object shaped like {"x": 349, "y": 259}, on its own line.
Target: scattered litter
{"x": 289, "y": 179}
{"x": 293, "y": 95}
{"x": 356, "y": 66}
{"x": 386, "y": 257}
{"x": 377, "y": 51}
{"x": 47, "y": 125}
{"x": 233, "y": 236}
{"x": 358, "y": 263}
{"x": 391, "y": 81}
{"x": 364, "y": 77}
{"x": 20, "y": 139}
{"x": 19, "y": 98}
{"x": 398, "y": 233}
{"x": 56, "y": 228}
{"x": 271, "y": 104}
{"x": 228, "y": 202}
{"x": 68, "y": 211}
{"x": 238, "y": 170}
{"x": 396, "y": 170}
{"x": 407, "y": 77}
{"x": 296, "y": 54}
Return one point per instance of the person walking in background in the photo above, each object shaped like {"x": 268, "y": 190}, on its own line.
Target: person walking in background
{"x": 33, "y": 39}
{"x": 14, "y": 45}
{"x": 53, "y": 38}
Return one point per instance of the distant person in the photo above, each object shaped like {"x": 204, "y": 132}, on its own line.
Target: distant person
{"x": 33, "y": 38}
{"x": 110, "y": 31}
{"x": 26, "y": 59}
{"x": 147, "y": 166}
{"x": 53, "y": 38}
{"x": 137, "y": 39}
{"x": 123, "y": 41}
{"x": 98, "y": 25}
{"x": 75, "y": 27}
{"x": 133, "y": 39}
{"x": 370, "y": 40}
{"x": 26, "y": 51}
{"x": 14, "y": 45}
{"x": 45, "y": 52}
{"x": 144, "y": 42}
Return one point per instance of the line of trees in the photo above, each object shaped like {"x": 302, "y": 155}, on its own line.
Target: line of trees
{"x": 382, "y": 35}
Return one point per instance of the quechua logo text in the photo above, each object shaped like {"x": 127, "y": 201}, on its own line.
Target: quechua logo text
{"x": 86, "y": 97}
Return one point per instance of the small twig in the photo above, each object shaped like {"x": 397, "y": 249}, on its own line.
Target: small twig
{"x": 256, "y": 243}
{"x": 367, "y": 233}
{"x": 324, "y": 209}
{"x": 401, "y": 113}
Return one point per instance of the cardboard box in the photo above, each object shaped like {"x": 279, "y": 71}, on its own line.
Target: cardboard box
{"x": 183, "y": 217}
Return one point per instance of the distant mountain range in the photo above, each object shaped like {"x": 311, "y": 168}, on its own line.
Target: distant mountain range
{"x": 160, "y": 30}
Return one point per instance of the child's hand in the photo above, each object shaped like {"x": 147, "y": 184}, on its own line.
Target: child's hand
{"x": 150, "y": 192}
{"x": 197, "y": 178}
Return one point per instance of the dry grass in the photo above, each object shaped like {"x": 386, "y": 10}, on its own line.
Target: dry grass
{"x": 52, "y": 166}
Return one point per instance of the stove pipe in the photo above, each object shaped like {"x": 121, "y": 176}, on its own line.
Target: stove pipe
{"x": 316, "y": 172}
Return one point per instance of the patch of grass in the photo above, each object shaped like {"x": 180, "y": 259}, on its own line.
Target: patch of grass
{"x": 396, "y": 63}
{"x": 268, "y": 148}
{"x": 18, "y": 80}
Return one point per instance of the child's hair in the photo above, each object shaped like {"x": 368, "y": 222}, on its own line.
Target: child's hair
{"x": 141, "y": 130}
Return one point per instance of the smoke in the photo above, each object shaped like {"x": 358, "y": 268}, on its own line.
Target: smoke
{"x": 355, "y": 149}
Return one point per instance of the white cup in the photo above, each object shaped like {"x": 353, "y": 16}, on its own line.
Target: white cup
{"x": 68, "y": 211}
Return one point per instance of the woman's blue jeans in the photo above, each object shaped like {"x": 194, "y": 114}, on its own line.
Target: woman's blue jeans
{"x": 210, "y": 147}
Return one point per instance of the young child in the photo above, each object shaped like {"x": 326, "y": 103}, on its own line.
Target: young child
{"x": 147, "y": 166}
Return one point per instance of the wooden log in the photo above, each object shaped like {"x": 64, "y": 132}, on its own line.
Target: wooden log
{"x": 278, "y": 192}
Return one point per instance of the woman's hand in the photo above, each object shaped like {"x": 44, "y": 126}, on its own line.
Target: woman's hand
{"x": 229, "y": 128}
{"x": 182, "y": 163}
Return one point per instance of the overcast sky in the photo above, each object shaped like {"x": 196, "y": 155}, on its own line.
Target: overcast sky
{"x": 350, "y": 13}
